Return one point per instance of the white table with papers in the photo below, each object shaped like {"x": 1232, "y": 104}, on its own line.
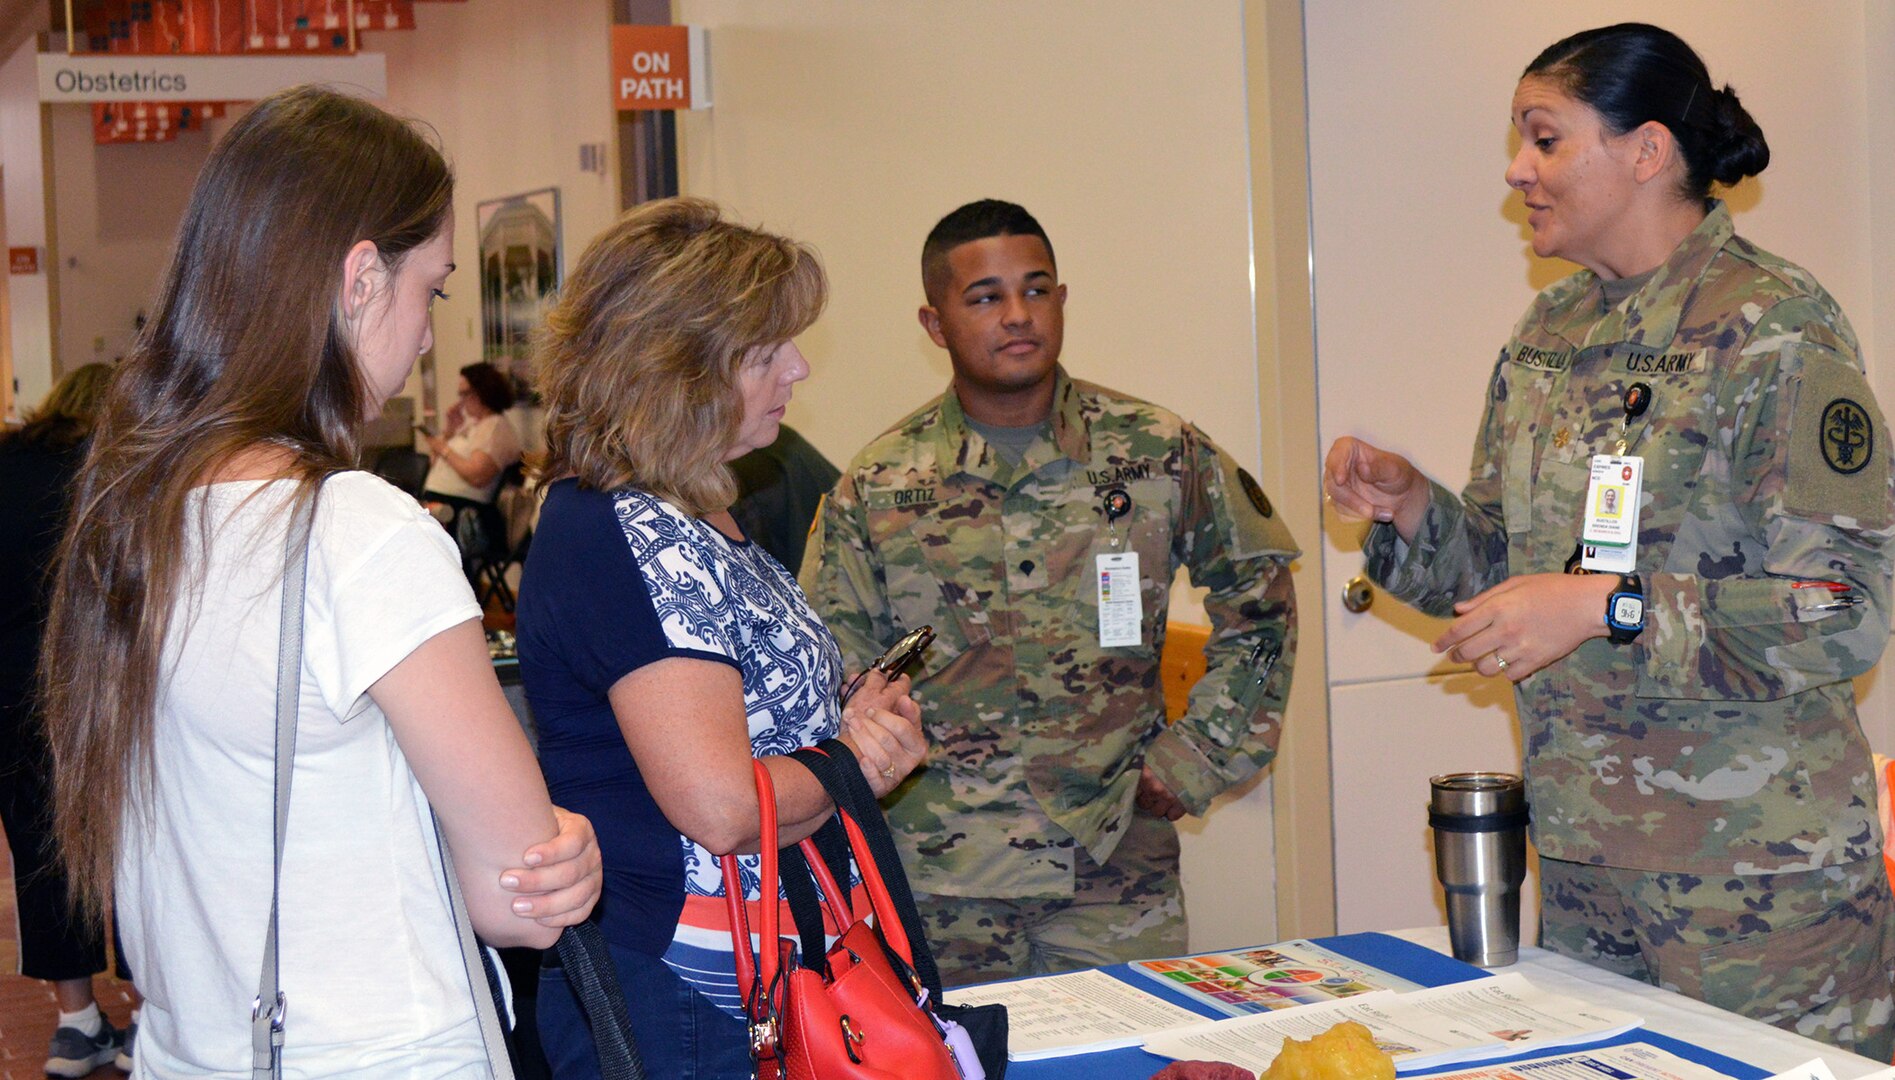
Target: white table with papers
{"x": 1665, "y": 1014}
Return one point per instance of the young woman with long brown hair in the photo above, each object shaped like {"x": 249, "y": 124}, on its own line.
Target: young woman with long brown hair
{"x": 296, "y": 301}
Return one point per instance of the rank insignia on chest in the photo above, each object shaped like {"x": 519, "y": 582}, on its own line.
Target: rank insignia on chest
{"x": 1561, "y": 438}
{"x": 1848, "y": 436}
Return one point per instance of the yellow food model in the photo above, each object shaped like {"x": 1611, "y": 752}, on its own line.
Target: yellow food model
{"x": 1344, "y": 1052}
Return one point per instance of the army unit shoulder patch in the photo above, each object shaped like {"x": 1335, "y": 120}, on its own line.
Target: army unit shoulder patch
{"x": 1254, "y": 492}
{"x": 1847, "y": 435}
{"x": 1838, "y": 454}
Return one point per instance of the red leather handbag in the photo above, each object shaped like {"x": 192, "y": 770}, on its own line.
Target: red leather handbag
{"x": 852, "y": 1016}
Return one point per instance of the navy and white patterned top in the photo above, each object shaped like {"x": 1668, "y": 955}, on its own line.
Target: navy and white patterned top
{"x": 615, "y": 581}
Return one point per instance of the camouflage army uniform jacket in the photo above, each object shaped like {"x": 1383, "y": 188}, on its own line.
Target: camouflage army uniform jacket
{"x": 1724, "y": 739}
{"x": 1037, "y": 732}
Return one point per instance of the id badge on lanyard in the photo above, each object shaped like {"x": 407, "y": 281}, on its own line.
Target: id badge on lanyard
{"x": 1121, "y": 601}
{"x": 1610, "y": 534}
{"x": 1608, "y": 537}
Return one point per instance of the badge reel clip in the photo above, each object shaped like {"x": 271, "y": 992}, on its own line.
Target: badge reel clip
{"x": 1115, "y": 505}
{"x": 894, "y": 658}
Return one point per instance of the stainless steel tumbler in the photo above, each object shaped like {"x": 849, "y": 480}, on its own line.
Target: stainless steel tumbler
{"x": 1480, "y": 855}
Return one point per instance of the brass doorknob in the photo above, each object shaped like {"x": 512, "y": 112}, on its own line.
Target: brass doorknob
{"x": 1357, "y": 594}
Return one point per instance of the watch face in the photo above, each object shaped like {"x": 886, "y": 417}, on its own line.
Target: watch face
{"x": 1627, "y": 610}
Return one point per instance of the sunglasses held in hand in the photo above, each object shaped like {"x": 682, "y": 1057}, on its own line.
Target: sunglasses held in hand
{"x": 894, "y": 658}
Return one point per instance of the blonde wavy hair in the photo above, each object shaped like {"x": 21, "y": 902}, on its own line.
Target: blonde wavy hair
{"x": 638, "y": 360}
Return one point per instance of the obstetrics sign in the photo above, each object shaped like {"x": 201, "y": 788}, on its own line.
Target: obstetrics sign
{"x": 129, "y": 77}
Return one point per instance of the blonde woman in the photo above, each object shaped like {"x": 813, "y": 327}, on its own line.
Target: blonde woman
{"x": 661, "y": 649}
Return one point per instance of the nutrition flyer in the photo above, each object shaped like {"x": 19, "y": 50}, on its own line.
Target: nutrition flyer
{"x": 1245, "y": 981}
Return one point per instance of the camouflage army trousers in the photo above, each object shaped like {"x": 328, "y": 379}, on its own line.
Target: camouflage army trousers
{"x": 1809, "y": 952}
{"x": 1129, "y": 909}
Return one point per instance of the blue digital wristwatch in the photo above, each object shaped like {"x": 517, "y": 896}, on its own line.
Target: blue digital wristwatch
{"x": 1625, "y": 610}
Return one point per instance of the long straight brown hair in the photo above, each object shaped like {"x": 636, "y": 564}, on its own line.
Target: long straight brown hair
{"x": 246, "y": 349}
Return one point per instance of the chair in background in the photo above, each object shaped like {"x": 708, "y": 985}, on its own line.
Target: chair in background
{"x": 404, "y": 467}
{"x": 1181, "y": 665}
{"x": 515, "y": 512}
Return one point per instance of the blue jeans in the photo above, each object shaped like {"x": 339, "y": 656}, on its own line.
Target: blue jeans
{"x": 679, "y": 1033}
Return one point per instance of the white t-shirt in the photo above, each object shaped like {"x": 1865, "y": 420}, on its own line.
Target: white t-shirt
{"x": 491, "y": 434}
{"x": 370, "y": 961}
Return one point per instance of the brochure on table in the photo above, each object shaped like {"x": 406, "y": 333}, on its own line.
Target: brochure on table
{"x": 1057, "y": 1015}
{"x": 1471, "y": 1021}
{"x": 1240, "y": 982}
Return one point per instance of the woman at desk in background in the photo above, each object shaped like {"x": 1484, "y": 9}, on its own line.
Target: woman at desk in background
{"x": 1702, "y": 795}
{"x": 662, "y": 650}
{"x": 479, "y": 442}
{"x": 295, "y": 303}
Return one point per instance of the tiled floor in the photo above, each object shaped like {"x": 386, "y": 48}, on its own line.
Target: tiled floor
{"x": 27, "y": 1011}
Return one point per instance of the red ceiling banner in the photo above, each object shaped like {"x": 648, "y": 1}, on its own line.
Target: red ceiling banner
{"x": 219, "y": 27}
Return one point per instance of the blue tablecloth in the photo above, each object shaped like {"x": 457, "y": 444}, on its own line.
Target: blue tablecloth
{"x": 1412, "y": 962}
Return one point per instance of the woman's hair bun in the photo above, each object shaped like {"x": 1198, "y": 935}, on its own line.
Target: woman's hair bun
{"x": 1635, "y": 73}
{"x": 1737, "y": 144}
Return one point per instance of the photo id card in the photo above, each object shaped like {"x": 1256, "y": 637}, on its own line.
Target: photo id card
{"x": 1121, "y": 605}
{"x": 1612, "y": 497}
{"x": 1609, "y": 536}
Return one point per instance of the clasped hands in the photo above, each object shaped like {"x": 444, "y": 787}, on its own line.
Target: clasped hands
{"x": 882, "y": 724}
{"x": 562, "y": 877}
{"x": 1515, "y": 628}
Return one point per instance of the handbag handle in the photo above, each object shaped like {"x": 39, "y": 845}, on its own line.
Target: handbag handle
{"x": 766, "y": 964}
{"x": 763, "y": 962}
{"x": 835, "y": 765}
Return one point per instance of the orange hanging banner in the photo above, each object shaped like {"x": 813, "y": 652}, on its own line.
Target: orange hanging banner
{"x": 660, "y": 67}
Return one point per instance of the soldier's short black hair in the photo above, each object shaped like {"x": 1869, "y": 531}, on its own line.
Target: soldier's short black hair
{"x": 977, "y": 220}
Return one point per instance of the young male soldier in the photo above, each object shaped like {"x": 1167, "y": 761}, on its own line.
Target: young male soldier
{"x": 1036, "y": 522}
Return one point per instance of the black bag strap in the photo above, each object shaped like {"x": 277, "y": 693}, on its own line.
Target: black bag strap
{"x": 594, "y": 981}
{"x": 832, "y": 842}
{"x": 835, "y": 767}
{"x": 805, "y": 907}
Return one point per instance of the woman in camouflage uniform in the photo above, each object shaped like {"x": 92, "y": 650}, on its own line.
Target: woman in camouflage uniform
{"x": 1702, "y": 795}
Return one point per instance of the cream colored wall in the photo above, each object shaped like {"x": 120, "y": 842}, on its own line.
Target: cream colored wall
{"x": 855, "y": 125}
{"x": 119, "y": 208}
{"x": 513, "y": 87}
{"x": 22, "y": 171}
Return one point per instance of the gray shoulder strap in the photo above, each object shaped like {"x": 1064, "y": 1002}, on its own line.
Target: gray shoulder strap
{"x": 267, "y": 1011}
